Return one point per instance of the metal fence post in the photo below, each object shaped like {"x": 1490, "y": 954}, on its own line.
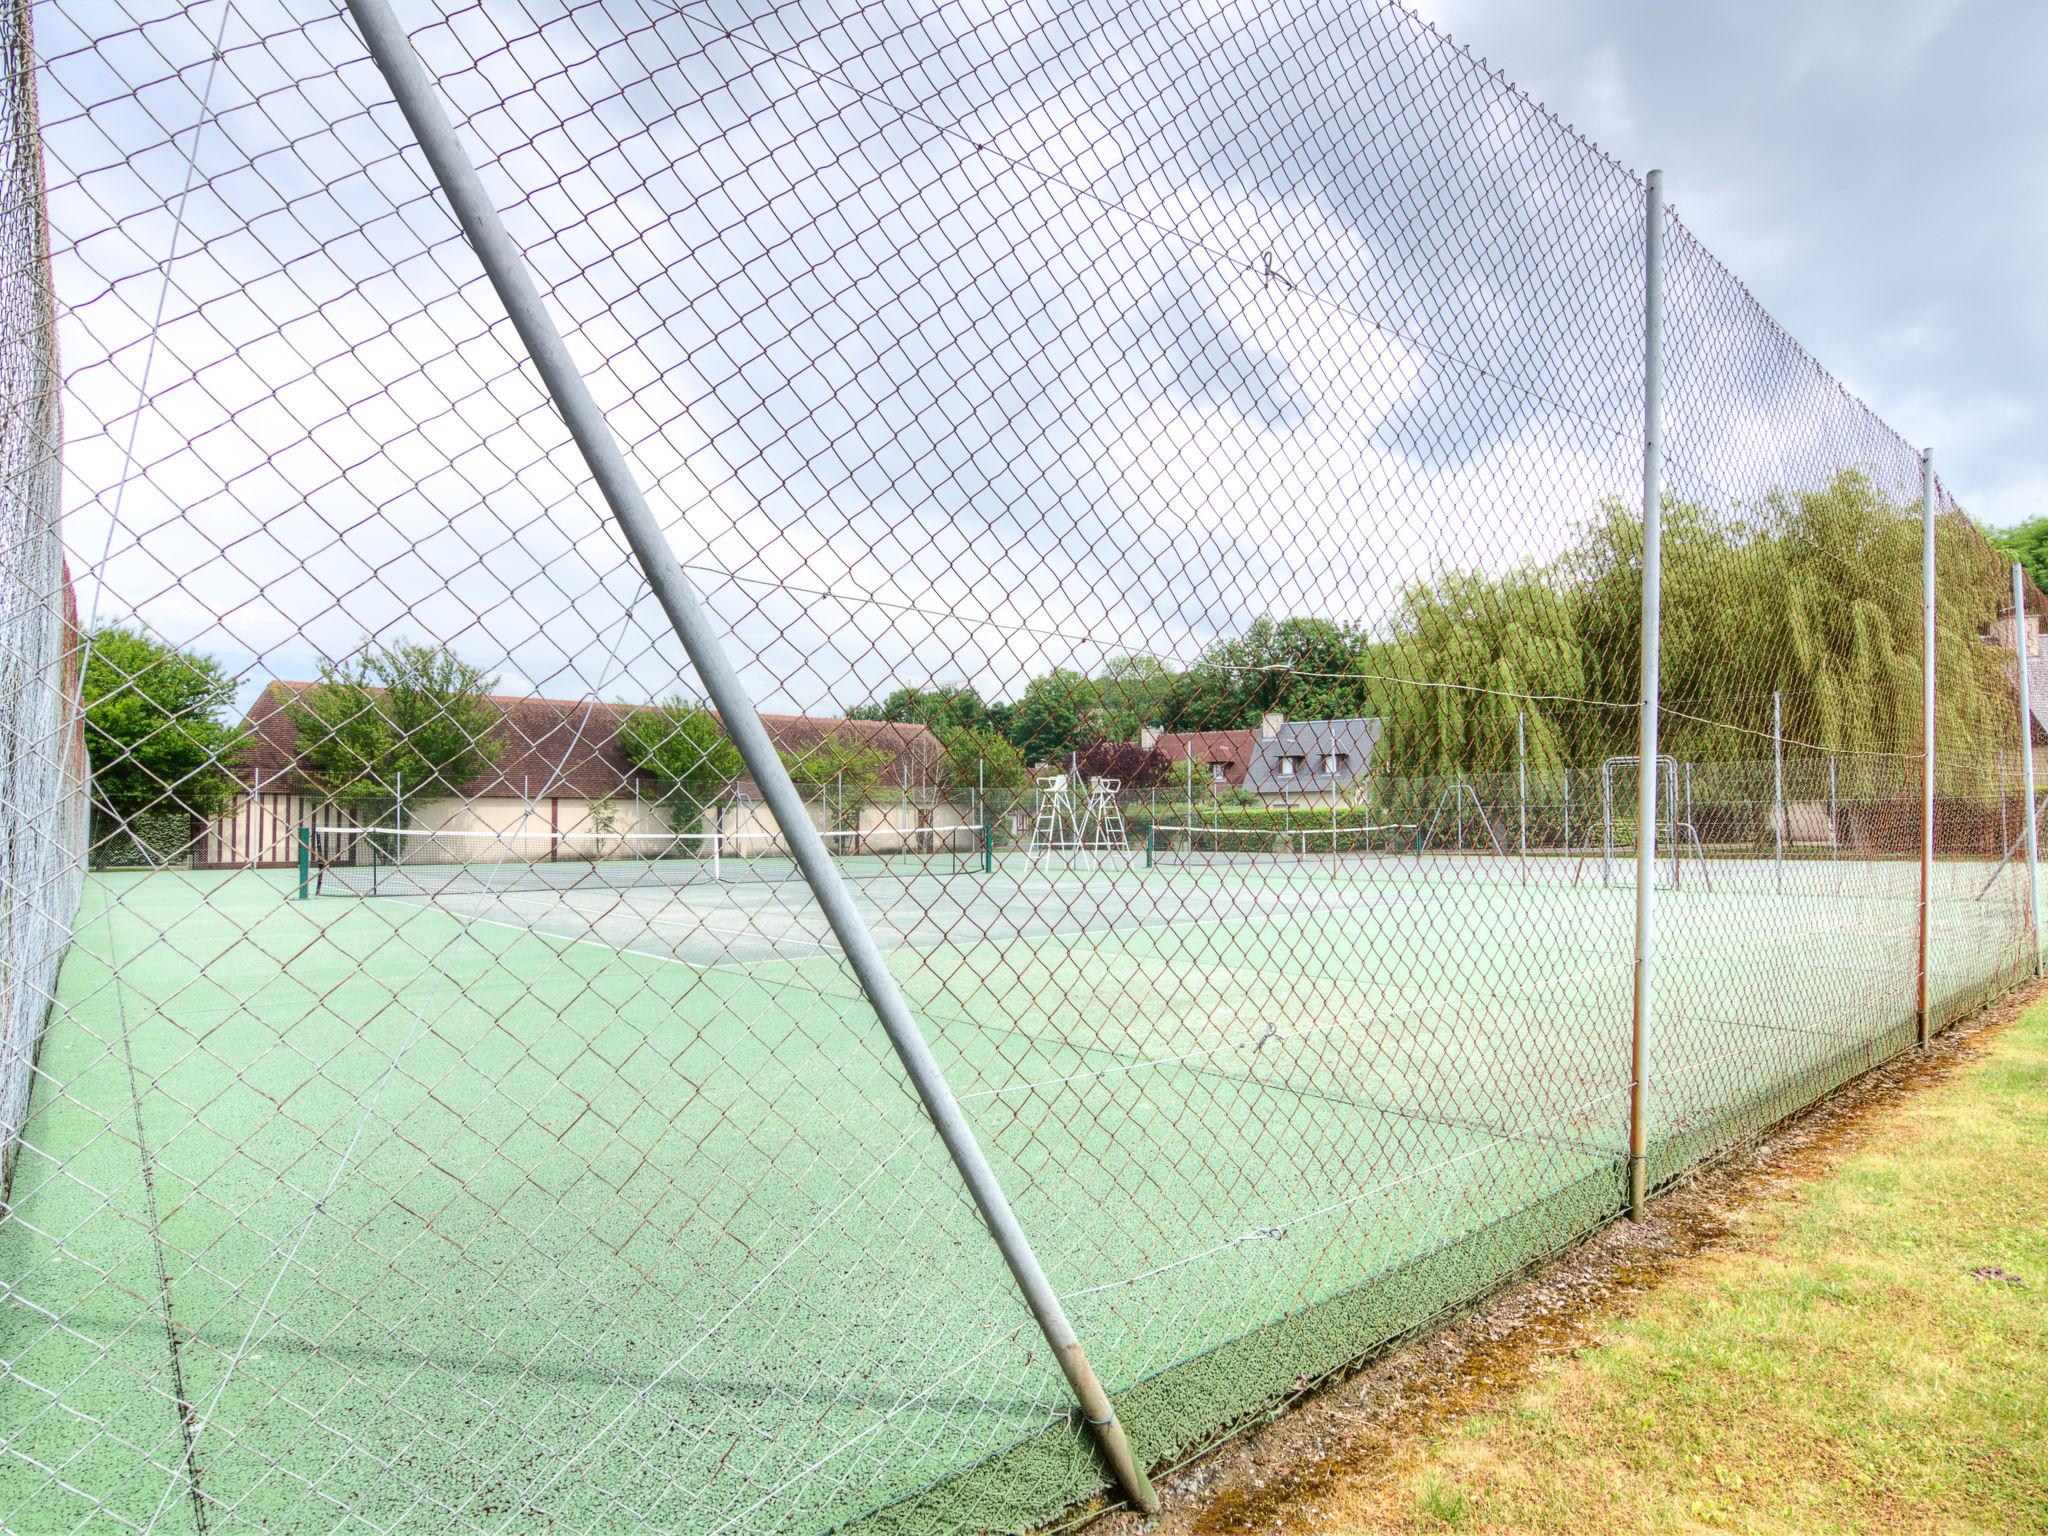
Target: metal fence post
{"x": 1646, "y": 764}
{"x": 1522, "y": 785}
{"x": 414, "y": 94}
{"x": 1920, "y": 1020}
{"x": 2019, "y": 648}
{"x": 1778, "y": 785}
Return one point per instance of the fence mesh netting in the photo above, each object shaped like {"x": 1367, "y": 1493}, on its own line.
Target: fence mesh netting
{"x": 1171, "y": 480}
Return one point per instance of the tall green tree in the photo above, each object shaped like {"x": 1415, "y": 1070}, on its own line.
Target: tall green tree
{"x": 1131, "y": 693}
{"x": 156, "y": 731}
{"x": 2028, "y": 544}
{"x": 944, "y": 707}
{"x": 1050, "y": 719}
{"x": 396, "y": 724}
{"x": 683, "y": 747}
{"x": 844, "y": 765}
{"x": 1473, "y": 658}
{"x": 1303, "y": 667}
{"x": 981, "y": 758}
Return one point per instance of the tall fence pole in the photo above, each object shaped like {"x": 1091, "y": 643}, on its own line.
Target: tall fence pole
{"x": 501, "y": 260}
{"x": 1522, "y": 784}
{"x": 1778, "y": 786}
{"x": 2019, "y": 648}
{"x": 1920, "y": 1020}
{"x": 1646, "y": 750}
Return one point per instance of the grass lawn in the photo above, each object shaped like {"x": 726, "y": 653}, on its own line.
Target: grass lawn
{"x": 1870, "y": 1354}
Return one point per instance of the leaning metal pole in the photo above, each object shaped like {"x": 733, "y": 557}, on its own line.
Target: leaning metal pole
{"x": 2019, "y": 650}
{"x": 414, "y": 93}
{"x": 1646, "y": 750}
{"x": 1920, "y": 1021}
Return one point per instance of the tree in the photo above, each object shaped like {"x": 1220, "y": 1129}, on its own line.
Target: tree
{"x": 1301, "y": 667}
{"x": 2028, "y": 544}
{"x": 1186, "y": 779}
{"x": 1470, "y": 655}
{"x": 683, "y": 747}
{"x": 942, "y": 708}
{"x": 1050, "y": 720}
{"x": 155, "y": 731}
{"x": 844, "y": 767}
{"x": 981, "y": 758}
{"x": 395, "y": 724}
{"x": 1132, "y": 766}
{"x": 1131, "y": 693}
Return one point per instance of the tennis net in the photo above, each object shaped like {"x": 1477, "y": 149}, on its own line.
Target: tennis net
{"x": 436, "y": 862}
{"x": 1223, "y": 844}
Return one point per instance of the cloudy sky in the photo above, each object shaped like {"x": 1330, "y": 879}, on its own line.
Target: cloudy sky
{"x": 1875, "y": 170}
{"x": 957, "y": 344}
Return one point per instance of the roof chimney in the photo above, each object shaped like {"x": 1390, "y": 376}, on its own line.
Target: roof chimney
{"x": 1270, "y": 723}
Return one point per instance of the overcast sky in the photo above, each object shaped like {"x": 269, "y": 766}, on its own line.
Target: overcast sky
{"x": 960, "y": 343}
{"x": 1875, "y": 170}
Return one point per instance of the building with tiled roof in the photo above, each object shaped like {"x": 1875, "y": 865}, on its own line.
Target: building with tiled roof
{"x": 1282, "y": 760}
{"x": 556, "y": 759}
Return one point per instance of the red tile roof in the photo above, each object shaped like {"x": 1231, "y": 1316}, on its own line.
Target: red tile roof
{"x": 1233, "y": 749}
{"x": 570, "y": 747}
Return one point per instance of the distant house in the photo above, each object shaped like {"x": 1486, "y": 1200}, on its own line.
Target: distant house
{"x": 1311, "y": 761}
{"x": 2000, "y": 635}
{"x": 1283, "y": 761}
{"x": 557, "y": 760}
{"x": 1225, "y": 756}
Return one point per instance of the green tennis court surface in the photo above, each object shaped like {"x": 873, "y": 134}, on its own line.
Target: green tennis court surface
{"x": 565, "y": 1204}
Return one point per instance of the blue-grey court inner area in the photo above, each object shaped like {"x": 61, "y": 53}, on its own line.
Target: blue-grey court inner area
{"x": 530, "y": 1209}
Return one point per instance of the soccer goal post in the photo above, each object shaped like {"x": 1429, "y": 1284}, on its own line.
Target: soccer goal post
{"x": 1678, "y": 838}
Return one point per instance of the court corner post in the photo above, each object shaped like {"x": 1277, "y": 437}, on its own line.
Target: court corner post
{"x": 2019, "y": 650}
{"x": 1921, "y": 1027}
{"x": 457, "y": 176}
{"x": 1646, "y": 761}
{"x": 305, "y": 841}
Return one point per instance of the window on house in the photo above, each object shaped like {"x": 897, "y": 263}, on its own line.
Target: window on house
{"x": 1288, "y": 765}
{"x": 1336, "y": 762}
{"x": 1215, "y": 773}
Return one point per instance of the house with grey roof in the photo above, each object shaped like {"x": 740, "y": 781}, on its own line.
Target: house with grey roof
{"x": 1311, "y": 761}
{"x": 1284, "y": 762}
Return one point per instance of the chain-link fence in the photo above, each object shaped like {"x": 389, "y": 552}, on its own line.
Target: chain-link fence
{"x": 855, "y": 767}
{"x": 42, "y": 760}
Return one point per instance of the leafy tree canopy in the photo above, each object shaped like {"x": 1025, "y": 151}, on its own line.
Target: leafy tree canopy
{"x": 395, "y": 724}
{"x": 981, "y": 757}
{"x": 684, "y": 749}
{"x": 155, "y": 728}
{"x": 843, "y": 766}
{"x": 1131, "y": 693}
{"x": 942, "y": 707}
{"x": 1051, "y": 718}
{"x": 2028, "y": 544}
{"x": 1132, "y": 766}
